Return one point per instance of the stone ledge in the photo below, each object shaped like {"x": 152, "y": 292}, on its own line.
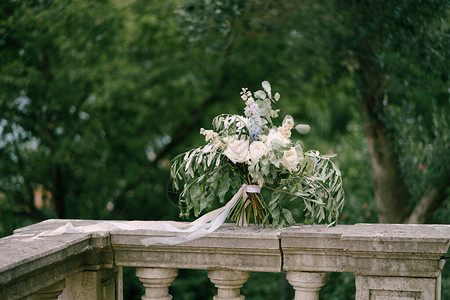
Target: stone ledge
{"x": 251, "y": 248}
{"x": 369, "y": 249}
{"x": 21, "y": 256}
{"x": 28, "y": 265}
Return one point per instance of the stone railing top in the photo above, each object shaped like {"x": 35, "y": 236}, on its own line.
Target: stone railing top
{"x": 20, "y": 254}
{"x": 396, "y": 250}
{"x": 366, "y": 231}
{"x": 370, "y": 237}
{"x": 370, "y": 249}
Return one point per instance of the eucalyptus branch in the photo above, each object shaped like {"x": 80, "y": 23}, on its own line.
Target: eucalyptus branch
{"x": 258, "y": 152}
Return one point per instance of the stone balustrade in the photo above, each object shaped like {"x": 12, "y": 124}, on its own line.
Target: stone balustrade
{"x": 395, "y": 262}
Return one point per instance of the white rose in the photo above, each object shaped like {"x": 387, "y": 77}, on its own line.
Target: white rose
{"x": 275, "y": 135}
{"x": 237, "y": 151}
{"x": 257, "y": 150}
{"x": 290, "y": 159}
{"x": 286, "y": 132}
{"x": 229, "y": 139}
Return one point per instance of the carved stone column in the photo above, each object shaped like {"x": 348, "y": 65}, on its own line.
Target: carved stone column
{"x": 50, "y": 292}
{"x": 156, "y": 282}
{"x": 307, "y": 284}
{"x": 228, "y": 283}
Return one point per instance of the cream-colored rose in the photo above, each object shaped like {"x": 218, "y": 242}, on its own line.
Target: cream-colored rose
{"x": 275, "y": 135}
{"x": 229, "y": 139}
{"x": 286, "y": 132}
{"x": 290, "y": 160}
{"x": 237, "y": 151}
{"x": 257, "y": 149}
{"x": 288, "y": 122}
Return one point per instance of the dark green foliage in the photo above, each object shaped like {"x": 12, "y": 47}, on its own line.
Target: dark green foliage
{"x": 339, "y": 286}
{"x": 192, "y": 285}
{"x": 96, "y": 97}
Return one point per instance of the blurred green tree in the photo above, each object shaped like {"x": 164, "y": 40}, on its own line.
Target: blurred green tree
{"x": 81, "y": 109}
{"x": 97, "y": 96}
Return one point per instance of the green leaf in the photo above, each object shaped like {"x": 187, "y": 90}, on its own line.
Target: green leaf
{"x": 288, "y": 216}
{"x": 194, "y": 192}
{"x": 223, "y": 188}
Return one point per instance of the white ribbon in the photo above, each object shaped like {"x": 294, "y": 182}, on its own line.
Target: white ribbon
{"x": 196, "y": 229}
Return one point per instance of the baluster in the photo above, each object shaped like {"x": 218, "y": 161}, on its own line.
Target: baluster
{"x": 156, "y": 282}
{"x": 228, "y": 283}
{"x": 307, "y": 285}
{"x": 50, "y": 292}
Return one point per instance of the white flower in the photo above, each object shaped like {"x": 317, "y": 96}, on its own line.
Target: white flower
{"x": 229, "y": 139}
{"x": 245, "y": 93}
{"x": 257, "y": 150}
{"x": 290, "y": 160}
{"x": 255, "y": 122}
{"x": 209, "y": 134}
{"x": 286, "y": 132}
{"x": 288, "y": 122}
{"x": 237, "y": 151}
{"x": 275, "y": 135}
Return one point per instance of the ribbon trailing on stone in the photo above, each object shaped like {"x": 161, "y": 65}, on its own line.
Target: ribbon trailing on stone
{"x": 199, "y": 228}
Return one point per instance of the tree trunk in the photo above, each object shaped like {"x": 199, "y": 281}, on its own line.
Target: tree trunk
{"x": 428, "y": 204}
{"x": 390, "y": 191}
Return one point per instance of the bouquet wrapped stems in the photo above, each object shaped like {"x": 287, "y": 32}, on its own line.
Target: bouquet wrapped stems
{"x": 252, "y": 150}
{"x": 252, "y": 208}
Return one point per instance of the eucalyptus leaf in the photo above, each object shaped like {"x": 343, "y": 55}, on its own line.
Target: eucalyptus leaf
{"x": 277, "y": 96}
{"x": 267, "y": 88}
{"x": 303, "y": 128}
{"x": 260, "y": 94}
{"x": 288, "y": 216}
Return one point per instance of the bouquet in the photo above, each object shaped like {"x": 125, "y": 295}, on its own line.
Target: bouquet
{"x": 251, "y": 150}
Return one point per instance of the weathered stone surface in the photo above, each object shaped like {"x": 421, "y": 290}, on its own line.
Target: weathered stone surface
{"x": 50, "y": 292}
{"x": 395, "y": 288}
{"x": 156, "y": 282}
{"x": 228, "y": 283}
{"x": 376, "y": 253}
{"x": 251, "y": 248}
{"x": 28, "y": 265}
{"x": 370, "y": 249}
{"x": 307, "y": 284}
{"x": 92, "y": 285}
